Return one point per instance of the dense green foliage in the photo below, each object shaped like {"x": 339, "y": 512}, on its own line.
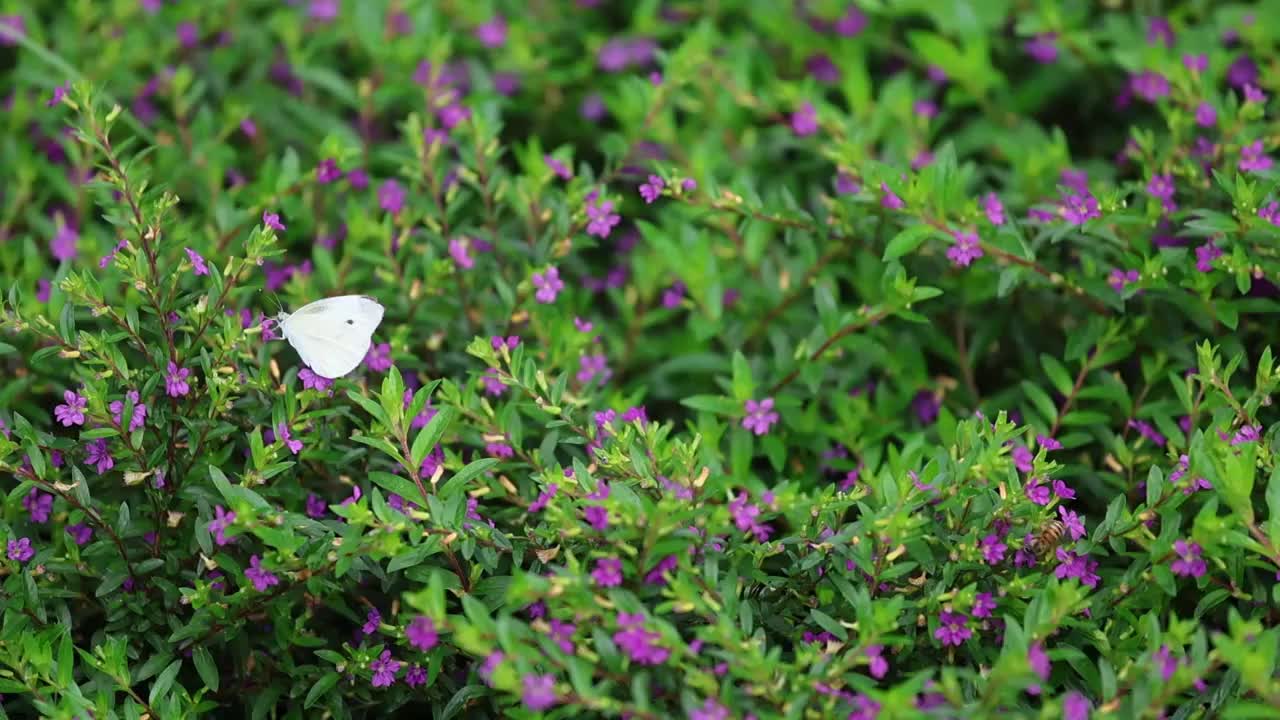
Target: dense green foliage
{"x": 887, "y": 358}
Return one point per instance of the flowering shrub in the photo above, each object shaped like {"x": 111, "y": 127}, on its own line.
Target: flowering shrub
{"x": 740, "y": 359}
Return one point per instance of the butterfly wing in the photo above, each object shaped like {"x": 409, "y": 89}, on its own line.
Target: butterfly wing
{"x": 333, "y": 335}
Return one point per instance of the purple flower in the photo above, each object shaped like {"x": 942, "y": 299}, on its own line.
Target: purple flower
{"x": 43, "y": 290}
{"x": 548, "y": 284}
{"x": 539, "y": 692}
{"x": 416, "y": 677}
{"x": 592, "y": 107}
{"x": 601, "y": 219}
{"x": 283, "y": 435}
{"x": 1042, "y": 48}
{"x": 188, "y": 34}
{"x": 80, "y": 533}
{"x": 1075, "y": 706}
{"x": 1246, "y": 434}
{"x": 260, "y": 576}
{"x": 1206, "y": 115}
{"x": 358, "y": 179}
{"x": 805, "y": 120}
{"x": 819, "y": 66}
{"x": 372, "y": 620}
{"x": 1244, "y": 71}
{"x": 1073, "y": 522}
{"x": 384, "y": 669}
{"x": 1252, "y": 94}
{"x": 175, "y": 380}
{"x": 378, "y": 359}
{"x": 1038, "y": 660}
{"x": 20, "y": 550}
{"x": 1077, "y": 209}
{"x": 1037, "y": 492}
{"x": 879, "y": 667}
{"x": 97, "y": 454}
{"x": 312, "y": 381}
{"x": 952, "y": 629}
{"x": 597, "y": 517}
{"x": 1270, "y": 213}
{"x": 1149, "y": 85}
{"x": 38, "y": 505}
{"x": 983, "y": 604}
{"x": 889, "y": 199}
{"x": 992, "y": 549}
{"x": 459, "y": 250}
{"x": 12, "y": 27}
{"x": 1196, "y": 63}
{"x": 760, "y": 416}
{"x": 1162, "y": 188}
{"x": 1159, "y": 31}
{"x": 994, "y": 209}
{"x": 1205, "y": 255}
{"x": 421, "y": 633}
{"x": 197, "y": 262}
{"x": 562, "y": 634}
{"x": 391, "y": 197}
{"x": 328, "y": 171}
{"x": 1048, "y": 443}
{"x": 560, "y": 169}
{"x": 544, "y": 498}
{"x": 493, "y": 34}
{"x": 63, "y": 243}
{"x": 1023, "y": 459}
{"x": 72, "y": 412}
{"x": 592, "y": 367}
{"x": 966, "y": 249}
{"x": 1253, "y": 158}
{"x": 710, "y": 710}
{"x": 316, "y": 506}
{"x": 137, "y": 418}
{"x": 219, "y": 524}
{"x": 1071, "y": 565}
{"x": 1077, "y": 180}
{"x": 652, "y": 189}
{"x": 847, "y": 184}
{"x": 925, "y": 108}
{"x": 1118, "y": 279}
{"x": 492, "y": 381}
{"x": 323, "y": 10}
{"x": 608, "y": 572}
{"x": 499, "y": 450}
{"x": 59, "y": 92}
{"x": 852, "y": 23}
{"x": 272, "y": 221}
{"x": 638, "y": 643}
{"x": 1189, "y": 561}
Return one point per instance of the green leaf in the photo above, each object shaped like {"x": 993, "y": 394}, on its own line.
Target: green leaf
{"x": 430, "y": 435}
{"x": 164, "y": 681}
{"x": 398, "y": 485}
{"x": 206, "y": 667}
{"x": 907, "y": 241}
{"x": 743, "y": 385}
{"x": 460, "y": 478}
{"x": 322, "y": 686}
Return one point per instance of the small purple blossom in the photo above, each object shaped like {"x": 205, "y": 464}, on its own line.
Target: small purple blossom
{"x": 493, "y": 34}
{"x": 372, "y": 620}
{"x": 1159, "y": 31}
{"x": 38, "y": 505}
{"x": 1073, "y": 522}
{"x": 637, "y": 642}
{"x": 1149, "y": 85}
{"x": 421, "y": 633}
{"x": 538, "y": 692}
{"x": 80, "y": 533}
{"x": 760, "y": 416}
{"x": 97, "y": 454}
{"x": 1196, "y": 63}
{"x": 328, "y": 171}
{"x": 20, "y": 550}
{"x": 548, "y": 284}
{"x": 137, "y": 418}
{"x": 952, "y": 629}
{"x": 805, "y": 120}
{"x": 1253, "y": 158}
{"x": 316, "y": 506}
{"x": 597, "y": 517}
{"x": 282, "y": 434}
{"x": 197, "y": 263}
{"x": 890, "y": 200}
{"x": 994, "y": 209}
{"x": 71, "y": 412}
{"x": 175, "y": 380}
{"x": 272, "y": 221}
{"x": 593, "y": 367}
{"x": 1071, "y": 565}
{"x": 652, "y": 189}
{"x": 378, "y": 359}
{"x": 384, "y": 669}
{"x": 1205, "y": 255}
{"x": 1042, "y": 48}
{"x": 601, "y": 219}
{"x": 1037, "y": 492}
{"x": 983, "y": 604}
{"x": 1039, "y": 661}
{"x": 966, "y": 249}
{"x": 1246, "y": 434}
{"x": 1206, "y": 114}
{"x": 64, "y": 241}
{"x": 993, "y": 549}
{"x": 219, "y": 524}
{"x": 1119, "y": 279}
{"x": 391, "y": 197}
{"x": 1078, "y": 209}
{"x": 1189, "y": 561}
{"x": 608, "y": 572}
{"x": 1075, "y": 706}
{"x": 312, "y": 381}
{"x": 261, "y": 578}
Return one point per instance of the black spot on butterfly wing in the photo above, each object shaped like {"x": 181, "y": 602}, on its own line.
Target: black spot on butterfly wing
{"x": 350, "y": 321}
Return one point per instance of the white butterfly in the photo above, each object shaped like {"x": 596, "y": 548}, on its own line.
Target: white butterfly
{"x": 332, "y": 335}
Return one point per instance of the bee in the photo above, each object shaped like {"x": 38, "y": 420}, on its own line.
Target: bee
{"x": 1048, "y": 537}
